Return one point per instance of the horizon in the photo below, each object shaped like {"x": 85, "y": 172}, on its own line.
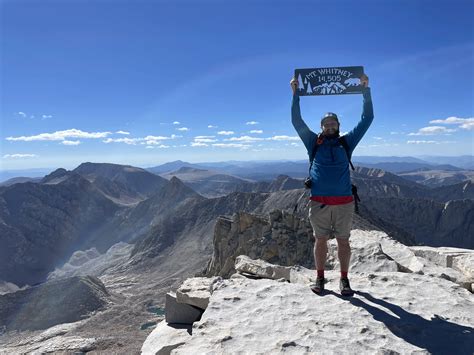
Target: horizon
{"x": 72, "y": 167}
{"x": 129, "y": 84}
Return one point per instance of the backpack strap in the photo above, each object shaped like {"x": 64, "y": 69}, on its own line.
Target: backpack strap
{"x": 317, "y": 142}
{"x": 343, "y": 142}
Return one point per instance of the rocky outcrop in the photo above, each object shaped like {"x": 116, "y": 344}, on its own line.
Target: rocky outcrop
{"x": 391, "y": 312}
{"x": 196, "y": 291}
{"x": 164, "y": 338}
{"x": 282, "y": 238}
{"x": 52, "y": 303}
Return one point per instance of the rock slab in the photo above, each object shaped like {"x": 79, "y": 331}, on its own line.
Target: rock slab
{"x": 180, "y": 313}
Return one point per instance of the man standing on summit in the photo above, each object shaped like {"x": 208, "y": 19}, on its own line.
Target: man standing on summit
{"x": 332, "y": 202}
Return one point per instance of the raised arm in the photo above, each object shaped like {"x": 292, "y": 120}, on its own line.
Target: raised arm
{"x": 356, "y": 134}
{"x": 306, "y": 135}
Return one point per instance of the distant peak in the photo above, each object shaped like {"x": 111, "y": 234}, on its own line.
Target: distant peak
{"x": 188, "y": 169}
{"x": 54, "y": 175}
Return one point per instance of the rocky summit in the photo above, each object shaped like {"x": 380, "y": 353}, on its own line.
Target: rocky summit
{"x": 407, "y": 301}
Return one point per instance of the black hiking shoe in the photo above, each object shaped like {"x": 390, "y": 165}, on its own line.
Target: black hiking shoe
{"x": 345, "y": 287}
{"x": 318, "y": 286}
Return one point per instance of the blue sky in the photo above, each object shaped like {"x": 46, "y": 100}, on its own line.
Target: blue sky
{"x": 146, "y": 82}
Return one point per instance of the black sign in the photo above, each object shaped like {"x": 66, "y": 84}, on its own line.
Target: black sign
{"x": 329, "y": 81}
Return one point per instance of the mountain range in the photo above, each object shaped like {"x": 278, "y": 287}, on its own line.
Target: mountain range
{"x": 142, "y": 233}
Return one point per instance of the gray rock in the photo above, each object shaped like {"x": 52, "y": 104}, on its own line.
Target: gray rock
{"x": 180, "y": 313}
{"x": 196, "y": 291}
{"x": 281, "y": 238}
{"x": 164, "y": 338}
{"x": 367, "y": 254}
{"x": 262, "y": 269}
{"x": 442, "y": 256}
{"x": 465, "y": 264}
{"x": 7, "y": 287}
{"x": 392, "y": 312}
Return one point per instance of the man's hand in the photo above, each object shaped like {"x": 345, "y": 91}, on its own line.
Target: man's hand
{"x": 364, "y": 80}
{"x": 294, "y": 85}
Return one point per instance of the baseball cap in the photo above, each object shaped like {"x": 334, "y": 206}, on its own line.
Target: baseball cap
{"x": 331, "y": 115}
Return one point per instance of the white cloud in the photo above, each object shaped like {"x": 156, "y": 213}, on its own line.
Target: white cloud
{"x": 211, "y": 126}
{"x": 251, "y": 123}
{"x": 256, "y": 131}
{"x": 421, "y": 142}
{"x": 122, "y": 132}
{"x": 161, "y": 138}
{"x": 204, "y": 137}
{"x": 22, "y": 114}
{"x": 176, "y": 122}
{"x": 392, "y": 133}
{"x": 198, "y": 144}
{"x": 60, "y": 136}
{"x": 244, "y": 139}
{"x": 453, "y": 120}
{"x": 225, "y": 133}
{"x": 205, "y": 140}
{"x": 469, "y": 126}
{"x": 71, "y": 142}
{"x": 184, "y": 129}
{"x": 464, "y": 123}
{"x": 151, "y": 142}
{"x": 295, "y": 144}
{"x": 161, "y": 146}
{"x": 148, "y": 140}
{"x": 231, "y": 145}
{"x": 377, "y": 138}
{"x": 432, "y": 130}
{"x": 129, "y": 141}
{"x": 46, "y": 116}
{"x": 284, "y": 138}
{"x": 19, "y": 156}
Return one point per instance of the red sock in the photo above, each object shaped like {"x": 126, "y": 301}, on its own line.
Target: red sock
{"x": 344, "y": 274}
{"x": 321, "y": 273}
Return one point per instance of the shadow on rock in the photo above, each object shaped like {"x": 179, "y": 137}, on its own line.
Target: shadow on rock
{"x": 437, "y": 335}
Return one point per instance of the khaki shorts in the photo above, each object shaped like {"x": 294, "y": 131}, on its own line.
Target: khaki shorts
{"x": 331, "y": 220}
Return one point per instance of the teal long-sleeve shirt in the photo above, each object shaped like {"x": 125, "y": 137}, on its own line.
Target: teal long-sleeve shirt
{"x": 330, "y": 173}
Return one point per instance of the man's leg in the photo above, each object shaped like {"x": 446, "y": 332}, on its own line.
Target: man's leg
{"x": 344, "y": 253}
{"x": 320, "y": 255}
{"x": 320, "y": 252}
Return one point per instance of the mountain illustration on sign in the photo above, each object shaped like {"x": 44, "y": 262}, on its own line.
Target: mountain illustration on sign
{"x": 329, "y": 88}
{"x": 352, "y": 82}
{"x": 309, "y": 90}
{"x": 300, "y": 83}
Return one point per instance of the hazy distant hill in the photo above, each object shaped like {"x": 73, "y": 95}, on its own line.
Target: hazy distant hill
{"x": 401, "y": 167}
{"x": 462, "y": 161}
{"x": 137, "y": 179}
{"x": 31, "y": 173}
{"x": 435, "y": 178}
{"x": 171, "y": 166}
{"x": 19, "y": 180}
